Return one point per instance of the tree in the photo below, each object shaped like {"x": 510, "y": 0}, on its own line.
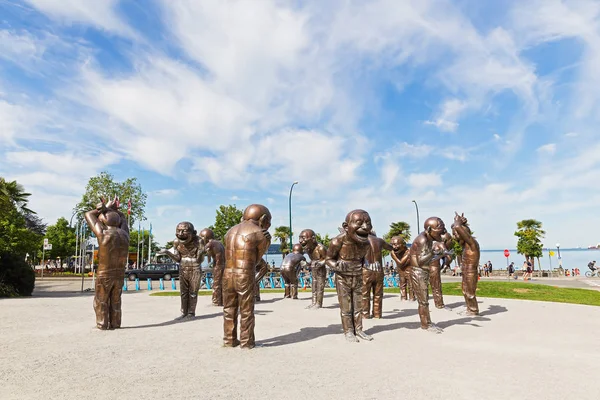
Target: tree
{"x": 106, "y": 187}
{"x": 227, "y": 216}
{"x": 530, "y": 234}
{"x": 134, "y": 235}
{"x": 20, "y": 230}
{"x": 282, "y": 233}
{"x": 14, "y": 194}
{"x": 400, "y": 228}
{"x": 63, "y": 239}
{"x": 324, "y": 240}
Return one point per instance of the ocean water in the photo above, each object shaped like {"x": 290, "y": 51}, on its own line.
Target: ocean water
{"x": 571, "y": 258}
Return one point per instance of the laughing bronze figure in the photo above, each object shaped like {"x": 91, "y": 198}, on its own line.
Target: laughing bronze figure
{"x": 317, "y": 253}
{"x": 289, "y": 271}
{"x": 216, "y": 253}
{"x": 346, "y": 257}
{"x": 422, "y": 253}
{"x": 110, "y": 227}
{"x": 372, "y": 277}
{"x": 245, "y": 245}
{"x": 435, "y": 269}
{"x": 470, "y": 262}
{"x": 188, "y": 251}
{"x": 400, "y": 255}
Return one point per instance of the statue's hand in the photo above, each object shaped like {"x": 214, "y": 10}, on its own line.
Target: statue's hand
{"x": 267, "y": 234}
{"x": 162, "y": 252}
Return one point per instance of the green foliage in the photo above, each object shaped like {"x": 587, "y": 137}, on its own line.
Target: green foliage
{"x": 282, "y": 233}
{"x": 20, "y": 230}
{"x": 145, "y": 234}
{"x": 106, "y": 187}
{"x": 324, "y": 240}
{"x": 458, "y": 250}
{"x": 530, "y": 234}
{"x": 227, "y": 217}
{"x": 400, "y": 228}
{"x": 62, "y": 238}
{"x": 16, "y": 274}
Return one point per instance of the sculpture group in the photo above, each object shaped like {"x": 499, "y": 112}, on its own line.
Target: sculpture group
{"x": 355, "y": 256}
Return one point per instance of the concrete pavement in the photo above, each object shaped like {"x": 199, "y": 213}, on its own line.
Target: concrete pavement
{"x": 515, "y": 349}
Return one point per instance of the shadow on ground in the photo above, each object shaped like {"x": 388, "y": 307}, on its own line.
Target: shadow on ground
{"x": 174, "y": 321}
{"x": 305, "y": 334}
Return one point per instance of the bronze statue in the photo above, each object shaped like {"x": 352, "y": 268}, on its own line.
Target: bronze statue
{"x": 188, "y": 251}
{"x": 215, "y": 252}
{"x": 346, "y": 257}
{"x": 435, "y": 269}
{"x": 289, "y": 271}
{"x": 470, "y": 261}
{"x": 245, "y": 244}
{"x": 317, "y": 253}
{"x": 110, "y": 227}
{"x": 372, "y": 277}
{"x": 400, "y": 255}
{"x": 422, "y": 253}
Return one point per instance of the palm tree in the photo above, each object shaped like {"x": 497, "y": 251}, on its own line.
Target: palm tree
{"x": 400, "y": 228}
{"x": 282, "y": 233}
{"x": 15, "y": 194}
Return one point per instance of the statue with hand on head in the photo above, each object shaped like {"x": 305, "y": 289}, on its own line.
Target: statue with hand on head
{"x": 346, "y": 257}
{"x": 188, "y": 251}
{"x": 317, "y": 253}
{"x": 435, "y": 268}
{"x": 470, "y": 261}
{"x": 215, "y": 251}
{"x": 245, "y": 245}
{"x": 110, "y": 227}
{"x": 292, "y": 263}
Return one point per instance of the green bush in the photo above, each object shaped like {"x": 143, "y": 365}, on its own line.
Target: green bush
{"x": 15, "y": 274}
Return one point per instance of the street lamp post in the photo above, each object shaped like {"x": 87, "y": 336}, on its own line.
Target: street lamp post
{"x": 558, "y": 255}
{"x": 418, "y": 223}
{"x": 291, "y": 236}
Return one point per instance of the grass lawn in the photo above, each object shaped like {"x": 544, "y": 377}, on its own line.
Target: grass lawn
{"x": 502, "y": 290}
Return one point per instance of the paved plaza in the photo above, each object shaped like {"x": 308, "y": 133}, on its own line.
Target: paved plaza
{"x": 516, "y": 349}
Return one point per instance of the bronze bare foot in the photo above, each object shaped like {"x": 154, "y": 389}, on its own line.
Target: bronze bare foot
{"x": 364, "y": 336}
{"x": 350, "y": 337}
{"x": 433, "y": 328}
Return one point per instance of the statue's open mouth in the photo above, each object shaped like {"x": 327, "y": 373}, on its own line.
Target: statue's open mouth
{"x": 362, "y": 235}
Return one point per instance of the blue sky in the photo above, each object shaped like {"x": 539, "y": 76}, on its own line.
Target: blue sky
{"x": 486, "y": 108}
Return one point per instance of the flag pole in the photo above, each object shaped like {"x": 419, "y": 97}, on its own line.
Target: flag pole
{"x": 149, "y": 243}
{"x": 138, "y": 247}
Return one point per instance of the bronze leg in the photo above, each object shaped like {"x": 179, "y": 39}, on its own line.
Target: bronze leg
{"x": 357, "y": 302}
{"x": 293, "y": 285}
{"x": 419, "y": 279}
{"x": 403, "y": 283}
{"x": 230, "y": 310}
{"x": 367, "y": 283}
{"x": 319, "y": 282}
{"x": 469, "y": 288}
{"x": 256, "y": 291}
{"x": 343, "y": 288}
{"x": 101, "y": 294}
{"x": 409, "y": 286}
{"x": 245, "y": 286}
{"x": 435, "y": 280}
{"x": 194, "y": 286}
{"x": 116, "y": 289}
{"x": 378, "y": 295}
{"x": 217, "y": 296}
{"x": 184, "y": 289}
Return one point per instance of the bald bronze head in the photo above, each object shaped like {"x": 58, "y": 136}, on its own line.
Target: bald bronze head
{"x": 398, "y": 243}
{"x": 185, "y": 232}
{"x": 358, "y": 226}
{"x": 206, "y": 235}
{"x": 297, "y": 248}
{"x": 259, "y": 214}
{"x": 307, "y": 238}
{"x": 435, "y": 228}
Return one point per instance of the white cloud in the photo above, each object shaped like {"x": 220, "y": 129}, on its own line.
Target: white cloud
{"x": 99, "y": 13}
{"x": 571, "y": 134}
{"x": 497, "y": 137}
{"x": 449, "y": 113}
{"x": 426, "y": 180}
{"x": 549, "y": 148}
{"x": 166, "y": 192}
{"x": 234, "y": 198}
